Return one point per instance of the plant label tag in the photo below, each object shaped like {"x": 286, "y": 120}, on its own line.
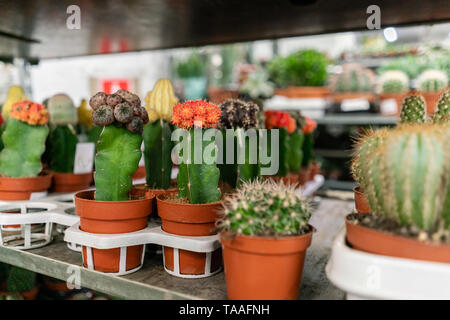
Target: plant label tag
{"x": 388, "y": 107}
{"x": 84, "y": 157}
{"x": 38, "y": 195}
{"x": 355, "y": 105}
{"x": 142, "y": 161}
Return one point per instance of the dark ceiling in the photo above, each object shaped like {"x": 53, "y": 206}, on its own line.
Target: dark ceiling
{"x": 37, "y": 28}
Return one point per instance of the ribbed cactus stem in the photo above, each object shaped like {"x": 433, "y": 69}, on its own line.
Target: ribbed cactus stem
{"x": 62, "y": 143}
{"x": 295, "y": 151}
{"x": 414, "y": 110}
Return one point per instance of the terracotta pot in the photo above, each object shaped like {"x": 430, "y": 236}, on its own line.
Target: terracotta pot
{"x": 308, "y": 92}
{"x": 140, "y": 173}
{"x": 22, "y": 188}
{"x": 387, "y": 244}
{"x": 156, "y": 192}
{"x": 110, "y": 217}
{"x": 303, "y": 175}
{"x": 339, "y": 97}
{"x": 431, "y": 98}
{"x": 361, "y": 202}
{"x": 217, "y": 95}
{"x": 259, "y": 268}
{"x": 70, "y": 182}
{"x": 398, "y": 97}
{"x": 187, "y": 219}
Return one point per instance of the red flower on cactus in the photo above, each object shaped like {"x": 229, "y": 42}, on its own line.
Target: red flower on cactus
{"x": 29, "y": 112}
{"x": 310, "y": 125}
{"x": 279, "y": 119}
{"x": 195, "y": 113}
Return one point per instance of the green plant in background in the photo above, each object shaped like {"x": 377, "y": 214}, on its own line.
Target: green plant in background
{"x": 393, "y": 81}
{"x": 301, "y": 68}
{"x": 442, "y": 113}
{"x": 229, "y": 56}
{"x": 414, "y": 110}
{"x": 62, "y": 140}
{"x": 432, "y": 81}
{"x": 198, "y": 178}
{"x": 353, "y": 78}
{"x": 257, "y": 86}
{"x": 192, "y": 67}
{"x": 24, "y": 140}
{"x": 265, "y": 208}
{"x": 238, "y": 116}
{"x": 295, "y": 141}
{"x": 406, "y": 177}
{"x": 119, "y": 145}
{"x": 157, "y": 135}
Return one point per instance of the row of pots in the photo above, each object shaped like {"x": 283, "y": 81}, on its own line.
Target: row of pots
{"x": 303, "y": 176}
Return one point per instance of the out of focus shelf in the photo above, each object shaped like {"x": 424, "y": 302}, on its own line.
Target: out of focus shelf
{"x": 357, "y": 119}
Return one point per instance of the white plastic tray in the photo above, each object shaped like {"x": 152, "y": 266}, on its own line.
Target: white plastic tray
{"x": 370, "y": 276}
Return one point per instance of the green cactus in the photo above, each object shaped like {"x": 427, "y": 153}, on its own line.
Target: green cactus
{"x": 24, "y": 146}
{"x": 432, "y": 81}
{"x": 443, "y": 108}
{"x": 198, "y": 182}
{"x": 62, "y": 110}
{"x": 393, "y": 86}
{"x": 393, "y": 81}
{"x": 117, "y": 159}
{"x": 265, "y": 208}
{"x": 247, "y": 170}
{"x": 228, "y": 171}
{"x": 157, "y": 154}
{"x": 308, "y": 146}
{"x": 295, "y": 151}
{"x": 354, "y": 78}
{"x": 414, "y": 110}
{"x": 406, "y": 176}
{"x": 94, "y": 133}
{"x": 62, "y": 143}
{"x": 20, "y": 280}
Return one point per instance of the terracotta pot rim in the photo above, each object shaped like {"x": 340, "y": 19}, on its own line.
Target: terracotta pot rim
{"x": 271, "y": 238}
{"x": 54, "y": 173}
{"x": 357, "y": 189}
{"x": 210, "y": 204}
{"x": 45, "y": 175}
{"x": 77, "y": 196}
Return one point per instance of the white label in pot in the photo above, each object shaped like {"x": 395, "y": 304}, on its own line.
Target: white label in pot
{"x": 84, "y": 157}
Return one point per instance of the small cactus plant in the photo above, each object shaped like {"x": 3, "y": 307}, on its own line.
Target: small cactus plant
{"x": 443, "y": 108}
{"x": 308, "y": 144}
{"x": 393, "y": 81}
{"x": 62, "y": 110}
{"x": 157, "y": 135}
{"x": 24, "y": 140}
{"x": 198, "y": 182}
{"x": 296, "y": 140}
{"x": 432, "y": 81}
{"x": 354, "y": 78}
{"x": 119, "y": 145}
{"x": 264, "y": 208}
{"x": 414, "y": 110}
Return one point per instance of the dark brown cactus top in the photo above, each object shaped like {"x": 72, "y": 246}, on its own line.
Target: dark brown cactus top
{"x": 238, "y": 114}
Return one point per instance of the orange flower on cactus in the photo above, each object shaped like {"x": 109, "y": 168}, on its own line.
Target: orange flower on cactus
{"x": 310, "y": 125}
{"x": 279, "y": 119}
{"x": 191, "y": 113}
{"x": 29, "y": 112}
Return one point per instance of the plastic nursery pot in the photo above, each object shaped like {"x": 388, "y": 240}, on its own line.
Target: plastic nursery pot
{"x": 361, "y": 202}
{"x": 431, "y": 98}
{"x": 388, "y": 244}
{"x": 308, "y": 92}
{"x": 260, "y": 268}
{"x": 110, "y": 217}
{"x": 70, "y": 182}
{"x": 22, "y": 188}
{"x": 140, "y": 173}
{"x": 187, "y": 219}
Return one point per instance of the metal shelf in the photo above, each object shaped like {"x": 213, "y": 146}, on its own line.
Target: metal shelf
{"x": 357, "y": 119}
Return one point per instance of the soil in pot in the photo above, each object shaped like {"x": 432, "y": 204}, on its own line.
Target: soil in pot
{"x": 70, "y": 182}
{"x": 180, "y": 217}
{"x": 110, "y": 217}
{"x": 384, "y": 236}
{"x": 12, "y": 189}
{"x": 260, "y": 268}
{"x": 361, "y": 202}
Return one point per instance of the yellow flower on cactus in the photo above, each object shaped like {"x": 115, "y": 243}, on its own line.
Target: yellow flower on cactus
{"x": 160, "y": 101}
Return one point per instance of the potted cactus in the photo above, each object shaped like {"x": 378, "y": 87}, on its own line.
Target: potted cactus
{"x": 114, "y": 207}
{"x": 393, "y": 84}
{"x": 61, "y": 146}
{"x": 431, "y": 84}
{"x": 194, "y": 210}
{"x": 354, "y": 82}
{"x": 294, "y": 154}
{"x": 407, "y": 181}
{"x": 21, "y": 172}
{"x": 309, "y": 167}
{"x": 442, "y": 113}
{"x": 157, "y": 138}
{"x": 264, "y": 233}
{"x": 238, "y": 120}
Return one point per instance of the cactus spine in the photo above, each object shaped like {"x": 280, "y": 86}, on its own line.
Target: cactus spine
{"x": 414, "y": 110}
{"x": 443, "y": 108}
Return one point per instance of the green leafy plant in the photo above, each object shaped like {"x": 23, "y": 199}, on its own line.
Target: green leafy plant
{"x": 265, "y": 208}
{"x": 192, "y": 67}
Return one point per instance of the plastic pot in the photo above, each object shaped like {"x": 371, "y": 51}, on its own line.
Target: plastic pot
{"x": 111, "y": 217}
{"x": 70, "y": 182}
{"x": 361, "y": 202}
{"x": 260, "y": 268}
{"x": 187, "y": 219}
{"x": 22, "y": 188}
{"x": 388, "y": 244}
{"x": 431, "y": 98}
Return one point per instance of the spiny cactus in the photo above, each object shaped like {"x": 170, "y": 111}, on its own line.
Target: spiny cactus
{"x": 265, "y": 208}
{"x": 406, "y": 176}
{"x": 62, "y": 144}
{"x": 443, "y": 108}
{"x": 118, "y": 147}
{"x": 393, "y": 81}
{"x": 432, "y": 81}
{"x": 62, "y": 110}
{"x": 24, "y": 140}
{"x": 414, "y": 110}
{"x": 354, "y": 78}
{"x": 197, "y": 181}
{"x": 238, "y": 114}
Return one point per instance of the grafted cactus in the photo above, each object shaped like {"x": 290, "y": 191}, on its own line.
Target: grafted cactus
{"x": 443, "y": 108}
{"x": 414, "y": 110}
{"x": 160, "y": 101}
{"x": 24, "y": 140}
{"x": 406, "y": 177}
{"x": 62, "y": 110}
{"x": 62, "y": 143}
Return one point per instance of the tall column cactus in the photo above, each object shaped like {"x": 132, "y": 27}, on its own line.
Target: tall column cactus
{"x": 157, "y": 135}
{"x": 24, "y": 140}
{"x": 296, "y": 140}
{"x": 118, "y": 148}
{"x": 198, "y": 178}
{"x": 414, "y": 110}
{"x": 308, "y": 144}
